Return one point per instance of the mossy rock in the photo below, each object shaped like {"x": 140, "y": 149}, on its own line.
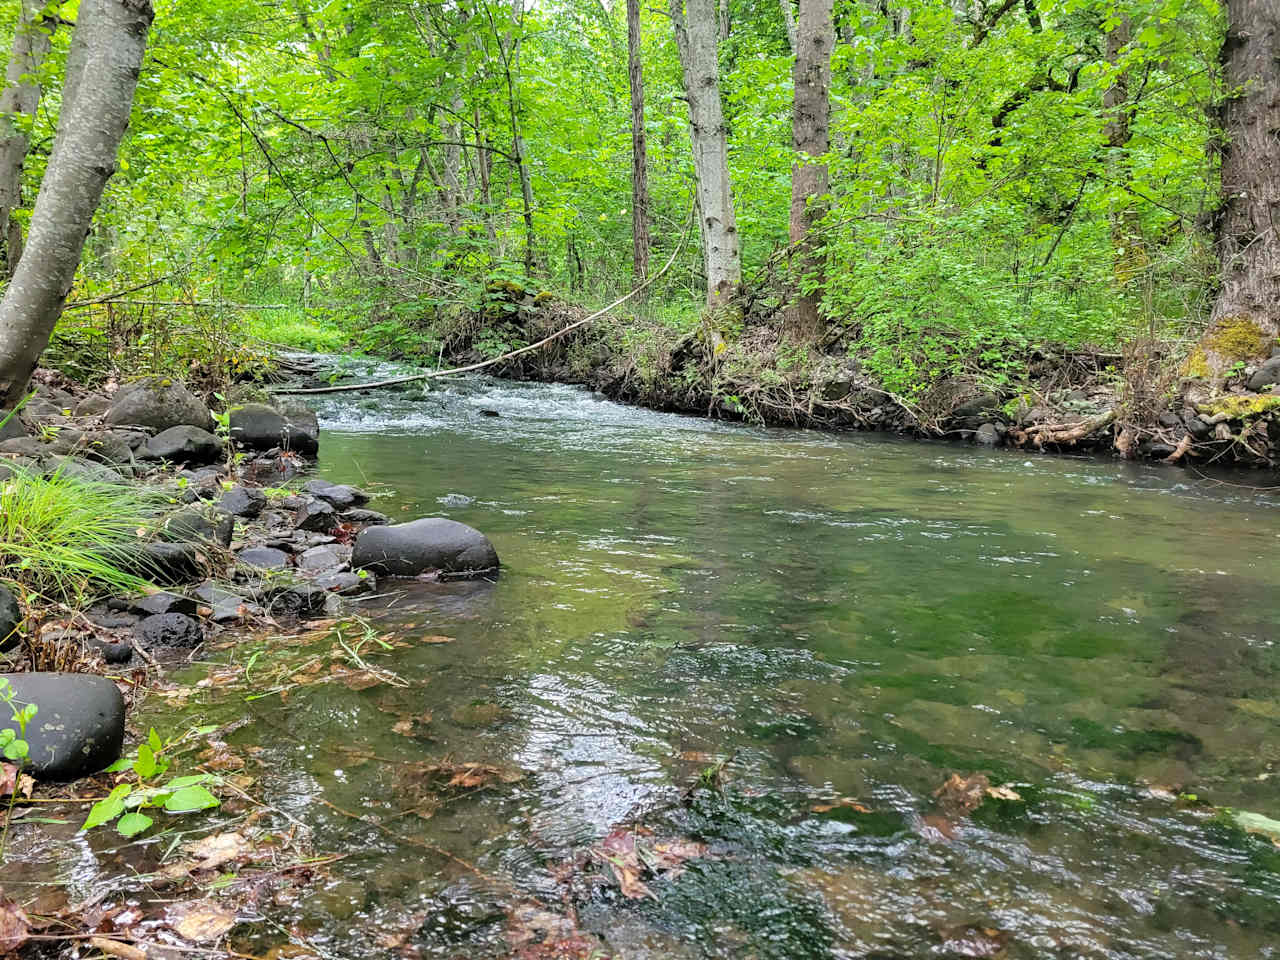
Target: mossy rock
{"x": 1232, "y": 339}
{"x": 1240, "y": 407}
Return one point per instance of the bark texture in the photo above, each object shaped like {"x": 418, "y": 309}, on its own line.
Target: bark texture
{"x": 102, "y": 73}
{"x": 1126, "y": 228}
{"x": 21, "y": 96}
{"x": 697, "y": 42}
{"x": 1246, "y": 314}
{"x": 810, "y": 138}
{"x": 639, "y": 152}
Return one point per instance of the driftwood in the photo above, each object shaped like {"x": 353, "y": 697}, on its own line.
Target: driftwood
{"x": 1062, "y": 434}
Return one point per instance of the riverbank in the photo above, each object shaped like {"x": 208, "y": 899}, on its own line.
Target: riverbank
{"x": 1135, "y": 402}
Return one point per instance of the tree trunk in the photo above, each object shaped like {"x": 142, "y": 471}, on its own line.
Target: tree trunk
{"x": 639, "y": 153}
{"x": 1126, "y": 228}
{"x": 789, "y": 22}
{"x": 696, "y": 43}
{"x": 511, "y": 64}
{"x": 815, "y": 37}
{"x": 1246, "y": 314}
{"x": 102, "y": 74}
{"x": 21, "y": 96}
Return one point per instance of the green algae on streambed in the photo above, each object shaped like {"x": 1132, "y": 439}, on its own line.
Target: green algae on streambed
{"x": 823, "y": 618}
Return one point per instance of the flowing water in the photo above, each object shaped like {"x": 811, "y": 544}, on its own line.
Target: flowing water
{"x": 780, "y": 644}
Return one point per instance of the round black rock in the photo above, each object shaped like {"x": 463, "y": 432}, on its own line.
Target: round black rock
{"x": 170, "y": 630}
{"x": 185, "y": 444}
{"x": 79, "y": 724}
{"x": 432, "y": 544}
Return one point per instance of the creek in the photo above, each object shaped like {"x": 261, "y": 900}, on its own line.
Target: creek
{"x": 781, "y": 644}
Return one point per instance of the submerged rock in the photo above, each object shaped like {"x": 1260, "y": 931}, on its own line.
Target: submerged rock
{"x": 10, "y": 618}
{"x": 79, "y": 725}
{"x": 260, "y": 427}
{"x": 185, "y": 444}
{"x": 433, "y": 544}
{"x": 988, "y": 436}
{"x": 158, "y": 404}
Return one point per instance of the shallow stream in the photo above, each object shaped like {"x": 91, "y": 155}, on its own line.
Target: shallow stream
{"x": 781, "y": 644}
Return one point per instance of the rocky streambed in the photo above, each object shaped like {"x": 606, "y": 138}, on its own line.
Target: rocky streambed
{"x": 242, "y": 538}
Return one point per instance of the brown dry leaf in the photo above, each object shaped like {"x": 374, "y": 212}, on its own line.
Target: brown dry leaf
{"x": 8, "y": 779}
{"x": 202, "y": 921}
{"x": 962, "y": 795}
{"x": 849, "y": 802}
{"x": 213, "y": 851}
{"x": 14, "y": 926}
{"x": 618, "y": 850}
{"x": 668, "y": 856}
{"x": 435, "y": 639}
{"x": 475, "y": 774}
{"x": 1003, "y": 793}
{"x": 360, "y": 680}
{"x": 219, "y": 757}
{"x": 412, "y": 726}
{"x": 403, "y": 727}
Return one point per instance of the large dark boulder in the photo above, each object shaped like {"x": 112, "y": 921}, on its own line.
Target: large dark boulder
{"x": 185, "y": 444}
{"x": 10, "y": 618}
{"x": 259, "y": 427}
{"x": 316, "y": 516}
{"x": 79, "y": 724}
{"x": 200, "y": 524}
{"x": 158, "y": 404}
{"x": 433, "y": 544}
{"x": 163, "y": 602}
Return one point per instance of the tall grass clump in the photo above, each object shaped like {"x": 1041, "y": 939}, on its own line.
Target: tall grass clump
{"x": 65, "y": 539}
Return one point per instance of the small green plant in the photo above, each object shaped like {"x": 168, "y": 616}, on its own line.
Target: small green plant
{"x": 13, "y": 746}
{"x": 150, "y": 762}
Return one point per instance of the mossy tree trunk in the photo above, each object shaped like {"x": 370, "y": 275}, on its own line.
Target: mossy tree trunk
{"x": 1246, "y": 314}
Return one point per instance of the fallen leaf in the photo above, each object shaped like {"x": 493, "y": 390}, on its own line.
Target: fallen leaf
{"x": 215, "y": 850}
{"x": 14, "y": 926}
{"x": 962, "y": 795}
{"x": 404, "y": 727}
{"x": 435, "y": 639}
{"x": 618, "y": 851}
{"x": 202, "y": 921}
{"x": 8, "y": 779}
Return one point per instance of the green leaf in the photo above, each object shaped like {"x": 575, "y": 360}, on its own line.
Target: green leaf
{"x": 190, "y": 799}
{"x": 124, "y": 763}
{"x": 153, "y": 741}
{"x": 132, "y": 824}
{"x": 145, "y": 765}
{"x": 177, "y": 783}
{"x": 107, "y": 809}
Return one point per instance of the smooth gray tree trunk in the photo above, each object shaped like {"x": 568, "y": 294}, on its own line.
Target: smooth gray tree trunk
{"x": 697, "y": 42}
{"x": 20, "y": 98}
{"x": 102, "y": 73}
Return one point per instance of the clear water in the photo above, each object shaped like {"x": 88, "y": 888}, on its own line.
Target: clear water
{"x": 824, "y": 617}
